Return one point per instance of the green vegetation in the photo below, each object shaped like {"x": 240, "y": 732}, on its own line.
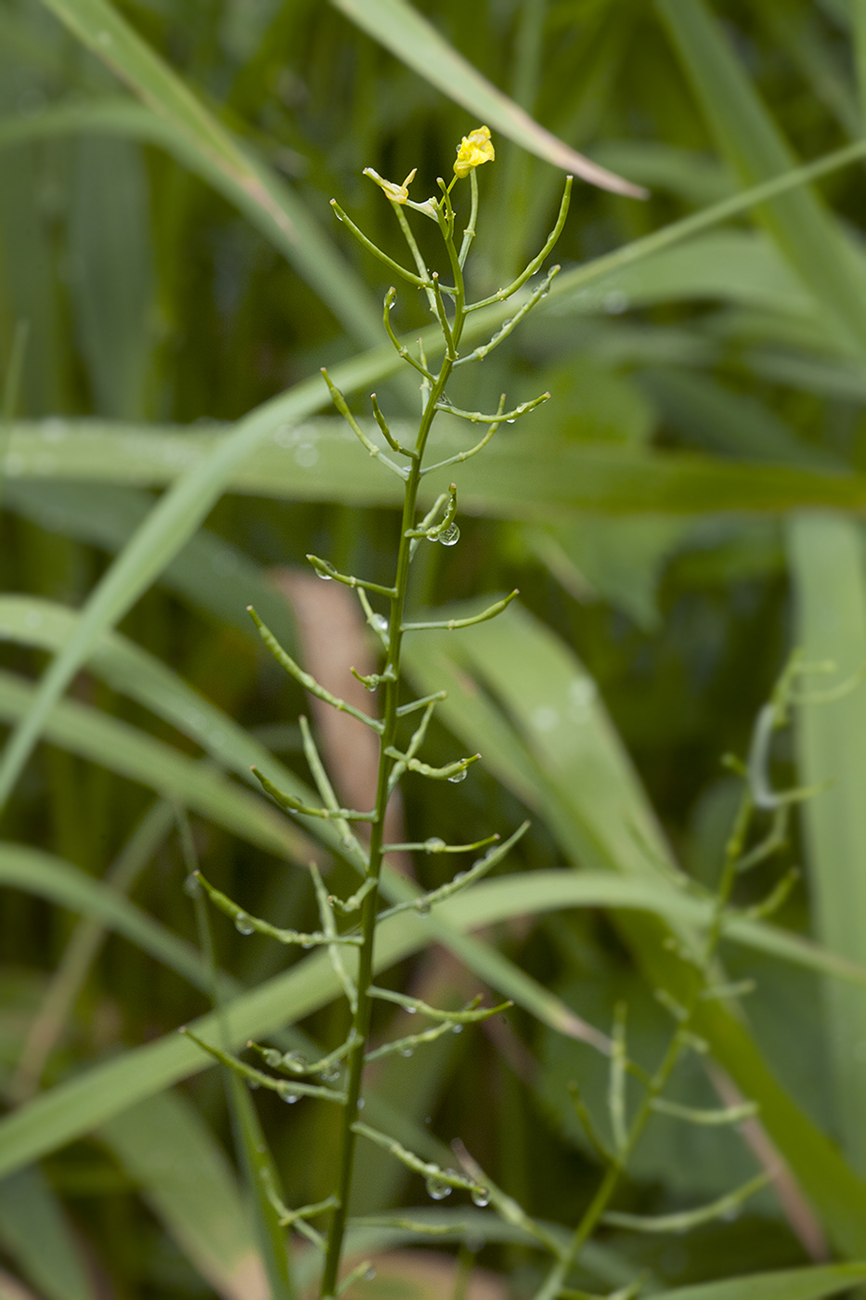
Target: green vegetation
{"x": 658, "y": 1084}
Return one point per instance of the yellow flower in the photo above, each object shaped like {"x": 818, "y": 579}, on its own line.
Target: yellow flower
{"x": 399, "y": 193}
{"x": 474, "y": 149}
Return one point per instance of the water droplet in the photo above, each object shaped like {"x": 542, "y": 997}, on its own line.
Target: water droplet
{"x": 457, "y": 1029}
{"x": 480, "y": 1197}
{"x": 244, "y": 924}
{"x": 370, "y": 1275}
{"x": 360, "y": 1103}
{"x": 320, "y": 573}
{"x": 306, "y": 943}
{"x": 337, "y": 215}
{"x": 371, "y": 686}
{"x": 450, "y": 536}
{"x": 410, "y": 1011}
{"x": 284, "y": 435}
{"x": 511, "y": 421}
{"x": 53, "y": 430}
{"x": 582, "y": 692}
{"x": 434, "y": 845}
{"x": 288, "y": 1095}
{"x": 458, "y": 776}
{"x": 253, "y": 1084}
{"x": 380, "y": 622}
{"x": 192, "y": 886}
{"x": 545, "y": 718}
{"x": 306, "y": 455}
{"x": 406, "y": 1051}
{"x": 422, "y": 906}
{"x": 329, "y": 1076}
{"x": 436, "y": 1189}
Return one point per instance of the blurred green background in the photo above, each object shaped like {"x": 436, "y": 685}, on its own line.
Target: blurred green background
{"x": 681, "y": 514}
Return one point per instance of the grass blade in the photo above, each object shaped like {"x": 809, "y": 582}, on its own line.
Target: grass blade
{"x": 185, "y": 1178}
{"x": 826, "y": 556}
{"x": 413, "y": 40}
{"x": 804, "y": 230}
{"x": 199, "y": 137}
{"x": 521, "y": 478}
{"x": 34, "y": 1231}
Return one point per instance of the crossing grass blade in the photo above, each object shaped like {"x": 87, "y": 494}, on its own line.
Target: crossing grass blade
{"x": 131, "y": 753}
{"x": 45, "y": 876}
{"x": 209, "y": 574}
{"x": 522, "y": 477}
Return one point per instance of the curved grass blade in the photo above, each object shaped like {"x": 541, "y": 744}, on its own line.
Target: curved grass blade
{"x": 64, "y": 885}
{"x": 201, "y": 141}
{"x": 417, "y": 43}
{"x": 139, "y": 757}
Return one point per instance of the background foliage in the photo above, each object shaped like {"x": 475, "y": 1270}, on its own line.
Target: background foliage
{"x": 682, "y": 513}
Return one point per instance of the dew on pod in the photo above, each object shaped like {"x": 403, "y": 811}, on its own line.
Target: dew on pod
{"x": 243, "y": 924}
{"x": 320, "y": 573}
{"x": 370, "y": 1274}
{"x": 380, "y": 622}
{"x": 289, "y": 1096}
{"x": 406, "y": 1051}
{"x": 449, "y": 536}
{"x": 457, "y": 1029}
{"x": 437, "y": 1190}
{"x": 192, "y": 886}
{"x": 480, "y": 1197}
{"x": 434, "y": 845}
{"x": 458, "y": 777}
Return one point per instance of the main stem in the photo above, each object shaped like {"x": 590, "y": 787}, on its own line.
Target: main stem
{"x": 391, "y": 671}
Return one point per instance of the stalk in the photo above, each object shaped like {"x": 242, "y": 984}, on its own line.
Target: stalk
{"x": 391, "y": 671}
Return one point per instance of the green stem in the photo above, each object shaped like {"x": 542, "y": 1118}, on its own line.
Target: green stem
{"x": 369, "y": 910}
